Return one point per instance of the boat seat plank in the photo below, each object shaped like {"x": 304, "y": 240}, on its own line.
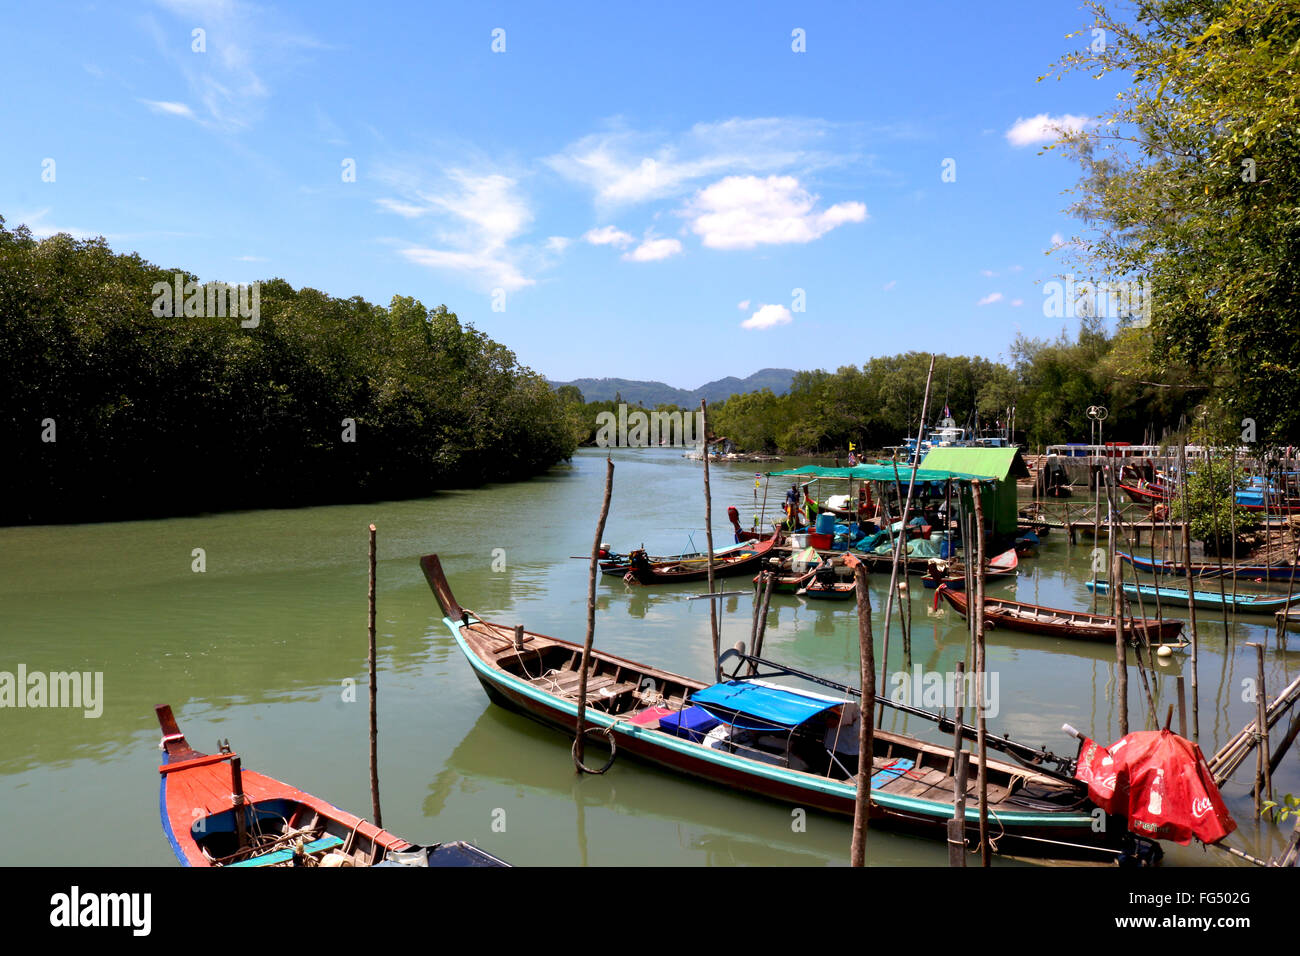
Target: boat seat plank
{"x": 284, "y": 856}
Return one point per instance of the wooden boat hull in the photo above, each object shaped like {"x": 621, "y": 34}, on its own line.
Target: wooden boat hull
{"x": 840, "y": 591}
{"x": 1059, "y": 832}
{"x": 1144, "y": 496}
{"x": 1054, "y": 622}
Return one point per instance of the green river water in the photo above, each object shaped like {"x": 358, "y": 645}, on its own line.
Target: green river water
{"x": 259, "y": 649}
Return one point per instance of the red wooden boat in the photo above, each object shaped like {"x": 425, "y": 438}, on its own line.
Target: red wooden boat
{"x": 644, "y": 571}
{"x": 820, "y": 590}
{"x": 282, "y": 825}
{"x": 1054, "y": 622}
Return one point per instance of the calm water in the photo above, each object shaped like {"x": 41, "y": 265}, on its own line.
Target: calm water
{"x": 259, "y": 647}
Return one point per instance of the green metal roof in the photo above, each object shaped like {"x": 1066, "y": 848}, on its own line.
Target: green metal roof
{"x": 999, "y": 463}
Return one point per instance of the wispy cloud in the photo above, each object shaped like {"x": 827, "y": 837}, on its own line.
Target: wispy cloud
{"x": 742, "y": 306}
{"x": 741, "y": 212}
{"x": 170, "y": 109}
{"x": 240, "y": 42}
{"x": 1044, "y": 128}
{"x": 486, "y": 214}
{"x": 990, "y": 298}
{"x": 768, "y": 316}
{"x": 888, "y": 286}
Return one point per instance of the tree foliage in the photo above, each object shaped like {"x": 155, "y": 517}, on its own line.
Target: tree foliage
{"x": 1193, "y": 182}
{"x": 174, "y": 415}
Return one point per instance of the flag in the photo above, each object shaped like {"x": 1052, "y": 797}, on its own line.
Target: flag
{"x": 852, "y": 447}
{"x": 946, "y": 413}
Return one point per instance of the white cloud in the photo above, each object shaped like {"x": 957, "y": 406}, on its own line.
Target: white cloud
{"x": 169, "y": 108}
{"x": 742, "y": 306}
{"x": 988, "y": 273}
{"x": 609, "y": 236}
{"x": 767, "y": 316}
{"x": 990, "y": 298}
{"x": 486, "y": 215}
{"x": 1016, "y": 269}
{"x": 1017, "y": 302}
{"x": 1044, "y": 128}
{"x": 250, "y": 258}
{"x": 557, "y": 243}
{"x": 651, "y": 250}
{"x": 741, "y": 212}
{"x": 888, "y": 286}
{"x": 1057, "y": 240}
{"x": 623, "y": 166}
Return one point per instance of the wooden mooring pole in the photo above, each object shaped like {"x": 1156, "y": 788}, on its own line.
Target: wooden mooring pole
{"x": 960, "y": 773}
{"x": 714, "y": 611}
{"x": 374, "y": 721}
{"x": 580, "y": 739}
{"x": 866, "y": 730}
{"x": 986, "y": 848}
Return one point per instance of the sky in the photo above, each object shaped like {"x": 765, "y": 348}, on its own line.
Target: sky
{"x": 672, "y": 191}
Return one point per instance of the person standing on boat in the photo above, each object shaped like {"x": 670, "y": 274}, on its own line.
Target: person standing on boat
{"x": 810, "y": 505}
{"x": 792, "y": 507}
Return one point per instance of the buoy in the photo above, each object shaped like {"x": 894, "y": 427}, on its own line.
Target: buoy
{"x": 1164, "y": 650}
{"x": 902, "y": 585}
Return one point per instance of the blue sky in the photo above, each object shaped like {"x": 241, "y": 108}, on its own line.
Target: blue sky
{"x": 638, "y": 189}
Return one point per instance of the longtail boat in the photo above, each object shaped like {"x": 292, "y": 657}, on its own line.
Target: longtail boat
{"x": 644, "y": 571}
{"x": 1242, "y": 603}
{"x": 1055, "y": 622}
{"x": 768, "y": 739}
{"x": 614, "y": 562}
{"x": 1250, "y": 572}
{"x": 281, "y": 825}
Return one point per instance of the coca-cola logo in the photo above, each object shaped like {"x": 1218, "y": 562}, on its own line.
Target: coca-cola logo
{"x": 1201, "y": 806}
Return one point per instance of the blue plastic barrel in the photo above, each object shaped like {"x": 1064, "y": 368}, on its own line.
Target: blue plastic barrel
{"x": 826, "y": 523}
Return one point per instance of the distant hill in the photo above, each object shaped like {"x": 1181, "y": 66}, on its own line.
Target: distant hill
{"x": 651, "y": 394}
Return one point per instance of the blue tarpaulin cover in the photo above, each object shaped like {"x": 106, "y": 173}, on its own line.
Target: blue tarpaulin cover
{"x": 778, "y": 706}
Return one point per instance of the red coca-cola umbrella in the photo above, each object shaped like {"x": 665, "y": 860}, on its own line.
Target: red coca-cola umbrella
{"x": 1159, "y": 782}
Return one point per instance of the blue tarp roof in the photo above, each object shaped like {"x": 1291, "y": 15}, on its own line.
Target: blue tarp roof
{"x": 774, "y": 705}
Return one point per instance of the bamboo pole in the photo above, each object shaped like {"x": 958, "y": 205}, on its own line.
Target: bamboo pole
{"x": 900, "y": 547}
{"x": 708, "y": 534}
{"x": 579, "y": 748}
{"x": 1121, "y": 657}
{"x": 237, "y": 801}
{"x": 1182, "y": 705}
{"x": 1263, "y": 775}
{"x": 986, "y": 848}
{"x": 767, "y": 579}
{"x": 1191, "y": 600}
{"x": 866, "y": 729}
{"x": 374, "y": 722}
{"x": 960, "y": 771}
